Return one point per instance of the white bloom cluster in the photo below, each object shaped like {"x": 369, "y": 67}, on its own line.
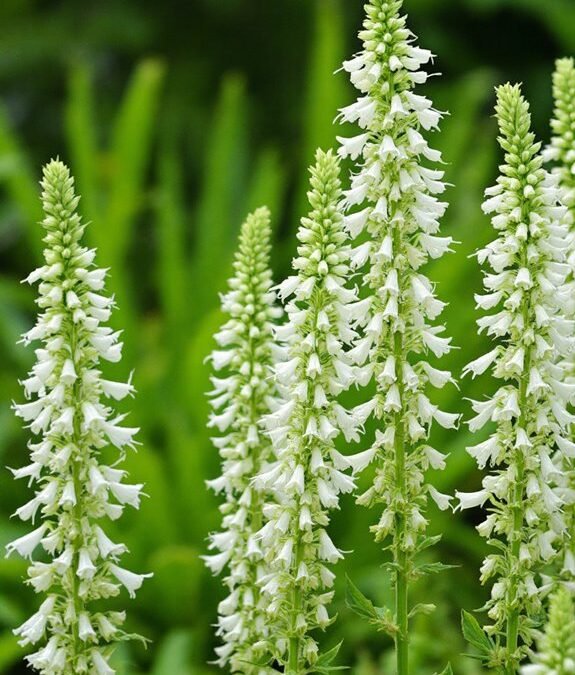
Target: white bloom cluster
{"x": 556, "y": 647}
{"x": 397, "y": 231}
{"x": 525, "y": 302}
{"x": 310, "y": 473}
{"x": 561, "y": 153}
{"x": 240, "y": 399}
{"x": 68, "y": 413}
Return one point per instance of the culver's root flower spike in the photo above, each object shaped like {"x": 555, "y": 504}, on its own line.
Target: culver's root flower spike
{"x": 524, "y": 304}
{"x": 561, "y": 151}
{"x": 394, "y": 212}
{"x": 310, "y": 473}
{"x": 556, "y": 647}
{"x": 243, "y": 392}
{"x": 70, "y": 415}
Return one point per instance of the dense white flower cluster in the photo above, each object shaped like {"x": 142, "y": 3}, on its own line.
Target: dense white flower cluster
{"x": 556, "y": 647}
{"x": 397, "y": 229}
{"x": 309, "y": 472}
{"x": 525, "y": 303}
{"x": 243, "y": 393}
{"x": 400, "y": 218}
{"x": 561, "y": 151}
{"x": 68, "y": 413}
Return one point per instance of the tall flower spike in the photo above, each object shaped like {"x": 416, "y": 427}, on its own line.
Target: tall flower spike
{"x": 562, "y": 148}
{"x": 556, "y": 648}
{"x": 309, "y": 473}
{"x": 525, "y": 298}
{"x": 69, "y": 414}
{"x": 240, "y": 398}
{"x": 561, "y": 152}
{"x": 397, "y": 227}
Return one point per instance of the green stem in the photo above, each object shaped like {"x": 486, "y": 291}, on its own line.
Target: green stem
{"x": 512, "y": 629}
{"x": 293, "y": 664}
{"x": 78, "y": 507}
{"x": 401, "y": 556}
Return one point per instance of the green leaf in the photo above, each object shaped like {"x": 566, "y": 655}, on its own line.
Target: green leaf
{"x": 432, "y": 568}
{"x": 267, "y": 184}
{"x": 82, "y": 141}
{"x": 358, "y": 603}
{"x": 219, "y": 213}
{"x": 427, "y": 542}
{"x": 171, "y": 224}
{"x": 324, "y": 95}
{"x": 447, "y": 670}
{"x": 130, "y": 154}
{"x": 475, "y": 635}
{"x": 327, "y": 658}
{"x": 21, "y": 184}
{"x": 174, "y": 654}
{"x": 381, "y": 617}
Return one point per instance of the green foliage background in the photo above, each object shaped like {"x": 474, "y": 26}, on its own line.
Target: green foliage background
{"x": 177, "y": 118}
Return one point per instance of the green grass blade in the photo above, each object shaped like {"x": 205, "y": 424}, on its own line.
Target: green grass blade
{"x": 219, "y": 211}
{"x": 325, "y": 93}
{"x": 129, "y": 158}
{"x": 21, "y": 184}
{"x": 170, "y": 217}
{"x": 267, "y": 184}
{"x": 82, "y": 140}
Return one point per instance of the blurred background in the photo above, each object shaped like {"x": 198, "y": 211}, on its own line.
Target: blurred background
{"x": 177, "y": 118}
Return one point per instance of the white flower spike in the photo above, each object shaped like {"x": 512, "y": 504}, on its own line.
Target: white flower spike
{"x": 243, "y": 392}
{"x": 68, "y": 409}
{"x": 394, "y": 212}
{"x": 561, "y": 154}
{"x": 526, "y": 271}
{"x": 310, "y": 474}
{"x": 556, "y": 647}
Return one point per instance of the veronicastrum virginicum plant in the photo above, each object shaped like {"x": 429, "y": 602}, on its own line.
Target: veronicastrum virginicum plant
{"x": 72, "y": 422}
{"x": 397, "y": 228}
{"x": 561, "y": 150}
{"x": 525, "y": 302}
{"x": 243, "y": 393}
{"x": 561, "y": 153}
{"x": 309, "y": 473}
{"x": 556, "y": 647}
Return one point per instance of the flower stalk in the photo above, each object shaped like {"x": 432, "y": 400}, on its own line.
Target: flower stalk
{"x": 68, "y": 412}
{"x": 304, "y": 483}
{"x": 556, "y": 646}
{"x": 526, "y": 291}
{"x": 243, "y": 393}
{"x": 393, "y": 212}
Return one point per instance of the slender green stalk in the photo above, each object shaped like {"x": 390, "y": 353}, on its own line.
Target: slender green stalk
{"x": 399, "y": 535}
